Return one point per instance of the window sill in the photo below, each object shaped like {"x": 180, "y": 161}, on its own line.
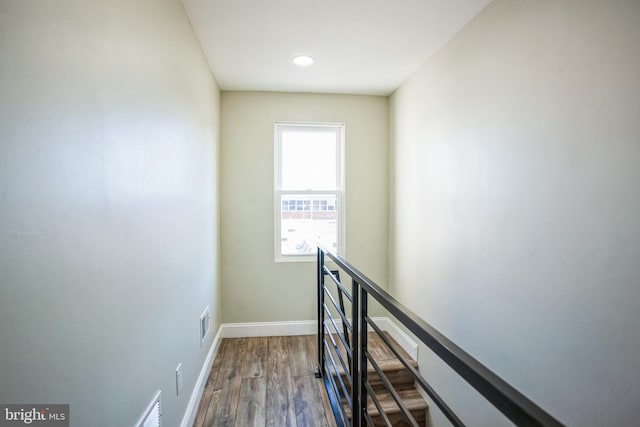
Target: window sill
{"x": 295, "y": 258}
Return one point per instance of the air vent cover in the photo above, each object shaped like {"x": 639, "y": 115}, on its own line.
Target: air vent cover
{"x": 152, "y": 416}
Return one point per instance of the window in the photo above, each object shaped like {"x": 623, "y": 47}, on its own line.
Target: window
{"x": 308, "y": 189}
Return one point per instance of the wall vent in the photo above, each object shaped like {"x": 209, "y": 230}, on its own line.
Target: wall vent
{"x": 153, "y": 415}
{"x": 205, "y": 325}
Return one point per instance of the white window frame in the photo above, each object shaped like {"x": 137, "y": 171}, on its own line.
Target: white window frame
{"x": 279, "y": 128}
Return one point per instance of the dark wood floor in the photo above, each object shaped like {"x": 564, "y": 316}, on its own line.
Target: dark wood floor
{"x": 265, "y": 381}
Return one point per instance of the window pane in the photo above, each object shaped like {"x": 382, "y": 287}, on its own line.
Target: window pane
{"x": 309, "y": 160}
{"x": 308, "y": 222}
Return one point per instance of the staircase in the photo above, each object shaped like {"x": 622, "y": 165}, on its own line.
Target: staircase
{"x": 510, "y": 402}
{"x": 402, "y": 381}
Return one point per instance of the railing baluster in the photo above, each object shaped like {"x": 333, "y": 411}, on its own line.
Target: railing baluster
{"x": 321, "y": 369}
{"x": 345, "y": 325}
{"x": 364, "y": 313}
{"x": 355, "y": 322}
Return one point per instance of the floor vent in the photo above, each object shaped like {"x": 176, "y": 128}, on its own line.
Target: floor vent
{"x": 152, "y": 416}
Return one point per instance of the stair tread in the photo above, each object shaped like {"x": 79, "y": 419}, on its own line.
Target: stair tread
{"x": 411, "y": 398}
{"x": 385, "y": 359}
{"x": 379, "y": 349}
{"x": 385, "y": 366}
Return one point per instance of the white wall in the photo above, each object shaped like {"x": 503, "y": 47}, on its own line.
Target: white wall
{"x": 108, "y": 195}
{"x": 254, "y": 287}
{"x": 516, "y": 199}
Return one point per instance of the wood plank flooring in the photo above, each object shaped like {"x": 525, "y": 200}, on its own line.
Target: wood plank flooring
{"x": 265, "y": 381}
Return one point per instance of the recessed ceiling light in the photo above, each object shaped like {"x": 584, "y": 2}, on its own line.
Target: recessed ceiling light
{"x": 302, "y": 60}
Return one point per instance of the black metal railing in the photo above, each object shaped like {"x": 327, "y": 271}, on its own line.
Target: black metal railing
{"x": 347, "y": 381}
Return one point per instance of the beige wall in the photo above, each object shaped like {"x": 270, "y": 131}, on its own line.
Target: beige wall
{"x": 254, "y": 287}
{"x": 516, "y": 199}
{"x": 108, "y": 195}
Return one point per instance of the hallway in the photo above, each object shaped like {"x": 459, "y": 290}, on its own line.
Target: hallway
{"x": 264, "y": 381}
{"x": 489, "y": 179}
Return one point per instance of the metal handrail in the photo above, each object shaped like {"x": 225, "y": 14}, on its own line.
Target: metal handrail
{"x": 513, "y": 404}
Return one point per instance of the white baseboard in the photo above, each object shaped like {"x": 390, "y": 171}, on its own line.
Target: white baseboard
{"x": 192, "y": 408}
{"x": 269, "y": 329}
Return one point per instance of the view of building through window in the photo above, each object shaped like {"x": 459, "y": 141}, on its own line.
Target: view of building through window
{"x": 308, "y": 188}
{"x": 307, "y": 219}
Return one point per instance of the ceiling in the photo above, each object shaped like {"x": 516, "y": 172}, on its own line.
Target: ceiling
{"x": 359, "y": 46}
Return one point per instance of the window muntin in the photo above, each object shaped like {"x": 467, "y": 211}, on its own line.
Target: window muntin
{"x": 308, "y": 189}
